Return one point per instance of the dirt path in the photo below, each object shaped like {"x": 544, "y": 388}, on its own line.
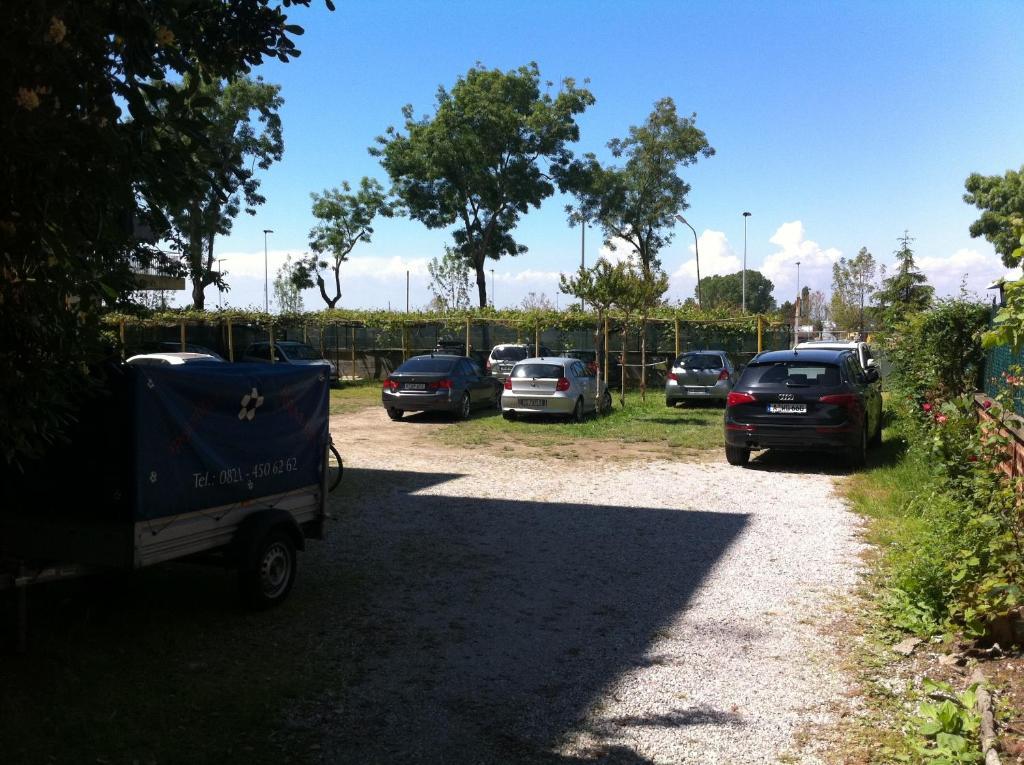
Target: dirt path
{"x": 502, "y": 609}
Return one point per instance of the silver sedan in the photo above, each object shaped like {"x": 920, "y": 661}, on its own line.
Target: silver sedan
{"x": 553, "y": 386}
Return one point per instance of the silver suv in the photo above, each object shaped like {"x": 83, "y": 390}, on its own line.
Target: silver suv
{"x": 503, "y": 357}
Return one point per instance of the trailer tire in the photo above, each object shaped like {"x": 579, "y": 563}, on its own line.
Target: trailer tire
{"x": 269, "y": 573}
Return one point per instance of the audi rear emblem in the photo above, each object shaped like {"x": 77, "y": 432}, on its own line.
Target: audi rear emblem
{"x": 786, "y": 397}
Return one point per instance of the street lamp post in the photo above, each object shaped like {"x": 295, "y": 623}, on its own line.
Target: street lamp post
{"x": 220, "y": 275}
{"x": 266, "y": 272}
{"x": 493, "y": 304}
{"x": 744, "y": 278}
{"x": 799, "y": 307}
{"x": 696, "y": 254}
{"x": 583, "y": 256}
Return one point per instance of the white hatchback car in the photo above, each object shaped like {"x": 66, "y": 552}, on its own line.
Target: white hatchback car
{"x": 553, "y": 386}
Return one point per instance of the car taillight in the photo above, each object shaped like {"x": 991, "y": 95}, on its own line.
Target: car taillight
{"x": 444, "y": 384}
{"x": 845, "y": 400}
{"x": 673, "y": 376}
{"x": 508, "y": 383}
{"x": 390, "y": 384}
{"x": 562, "y": 384}
{"x": 735, "y": 399}
{"x": 723, "y": 375}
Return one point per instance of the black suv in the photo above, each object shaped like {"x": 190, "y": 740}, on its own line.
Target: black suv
{"x": 803, "y": 400}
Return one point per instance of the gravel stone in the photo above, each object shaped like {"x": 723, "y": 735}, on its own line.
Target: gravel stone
{"x": 540, "y": 610}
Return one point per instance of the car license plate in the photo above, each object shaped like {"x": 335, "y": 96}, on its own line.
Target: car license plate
{"x": 532, "y": 402}
{"x": 787, "y": 408}
{"x": 698, "y": 391}
{"x": 415, "y": 386}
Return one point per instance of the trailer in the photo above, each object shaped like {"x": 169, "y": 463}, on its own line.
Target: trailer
{"x": 222, "y": 463}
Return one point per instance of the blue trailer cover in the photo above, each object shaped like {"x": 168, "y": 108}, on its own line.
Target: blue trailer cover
{"x": 208, "y": 435}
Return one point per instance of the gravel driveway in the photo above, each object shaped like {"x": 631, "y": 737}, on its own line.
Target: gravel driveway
{"x": 518, "y": 610}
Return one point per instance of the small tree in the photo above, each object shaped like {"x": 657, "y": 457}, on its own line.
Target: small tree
{"x": 853, "y": 284}
{"x": 287, "y": 296}
{"x": 346, "y": 219}
{"x": 537, "y": 301}
{"x": 599, "y": 287}
{"x": 449, "y": 281}
{"x": 907, "y": 291}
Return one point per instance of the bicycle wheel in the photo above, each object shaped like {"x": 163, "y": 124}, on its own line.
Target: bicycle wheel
{"x": 335, "y": 467}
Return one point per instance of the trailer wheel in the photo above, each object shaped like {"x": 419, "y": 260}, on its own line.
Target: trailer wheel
{"x": 269, "y": 579}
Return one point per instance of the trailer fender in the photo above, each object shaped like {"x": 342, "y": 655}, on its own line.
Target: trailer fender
{"x": 253, "y": 529}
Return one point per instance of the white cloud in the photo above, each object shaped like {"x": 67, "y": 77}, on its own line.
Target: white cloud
{"x": 973, "y": 269}
{"x": 623, "y": 251}
{"x": 815, "y": 262}
{"x": 716, "y": 258}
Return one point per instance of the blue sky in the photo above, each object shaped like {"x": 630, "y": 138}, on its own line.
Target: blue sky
{"x": 837, "y": 125}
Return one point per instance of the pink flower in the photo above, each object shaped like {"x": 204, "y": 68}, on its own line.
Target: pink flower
{"x": 941, "y": 419}
{"x": 986, "y": 404}
{"x": 926, "y": 406}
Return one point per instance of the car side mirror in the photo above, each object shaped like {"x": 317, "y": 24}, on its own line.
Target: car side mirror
{"x": 872, "y": 374}
{"x": 872, "y": 363}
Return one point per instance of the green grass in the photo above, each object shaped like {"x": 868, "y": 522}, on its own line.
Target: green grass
{"x": 650, "y": 422}
{"x": 353, "y": 396}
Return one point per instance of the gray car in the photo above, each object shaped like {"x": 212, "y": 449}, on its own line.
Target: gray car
{"x": 290, "y": 352}
{"x": 700, "y": 376}
{"x": 439, "y": 382}
{"x": 553, "y": 386}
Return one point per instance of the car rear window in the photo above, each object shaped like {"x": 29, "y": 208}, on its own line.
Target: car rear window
{"x": 510, "y": 353}
{"x": 699, "y": 361}
{"x": 546, "y": 371}
{"x": 791, "y": 374}
{"x": 425, "y": 365}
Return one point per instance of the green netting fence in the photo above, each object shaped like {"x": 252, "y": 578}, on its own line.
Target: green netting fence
{"x": 998, "y": 364}
{"x": 364, "y": 351}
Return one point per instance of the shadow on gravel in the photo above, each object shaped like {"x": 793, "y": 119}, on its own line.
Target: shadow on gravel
{"x": 487, "y": 627}
{"x": 694, "y": 716}
{"x": 770, "y": 460}
{"x": 424, "y": 629}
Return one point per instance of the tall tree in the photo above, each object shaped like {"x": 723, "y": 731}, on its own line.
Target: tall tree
{"x": 449, "y": 281}
{"x": 490, "y": 152}
{"x": 639, "y": 290}
{"x": 88, "y": 87}
{"x": 345, "y": 220}
{"x": 726, "y": 291}
{"x": 853, "y": 284}
{"x": 537, "y": 301}
{"x": 637, "y": 202}
{"x": 907, "y": 291}
{"x": 287, "y": 295}
{"x": 244, "y": 129}
{"x": 1001, "y": 200}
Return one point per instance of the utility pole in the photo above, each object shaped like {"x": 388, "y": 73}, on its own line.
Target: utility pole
{"x": 266, "y": 277}
{"x": 493, "y": 305}
{"x": 744, "y": 279}
{"x": 407, "y": 292}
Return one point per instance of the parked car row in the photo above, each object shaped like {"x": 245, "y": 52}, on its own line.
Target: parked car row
{"x": 544, "y": 385}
